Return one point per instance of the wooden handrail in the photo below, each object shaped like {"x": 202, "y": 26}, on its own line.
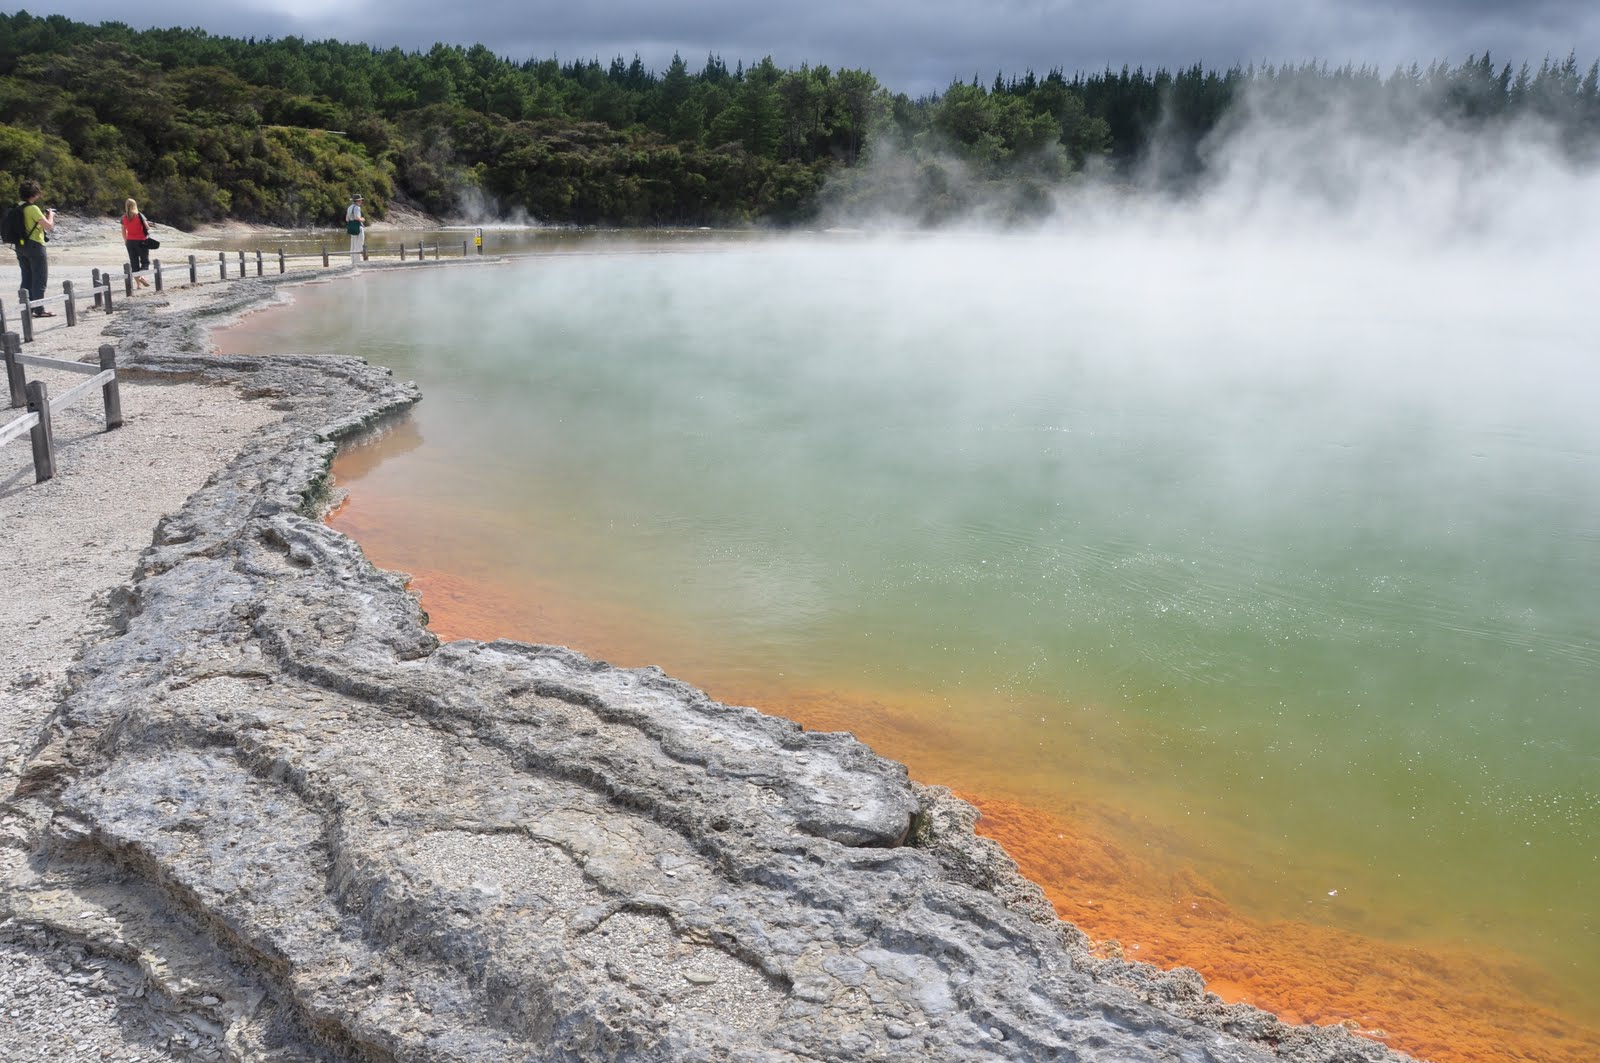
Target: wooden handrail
{"x": 37, "y": 420}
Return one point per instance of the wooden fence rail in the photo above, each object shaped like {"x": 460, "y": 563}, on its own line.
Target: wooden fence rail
{"x": 100, "y": 283}
{"x": 37, "y": 421}
{"x": 422, "y": 251}
{"x": 35, "y": 395}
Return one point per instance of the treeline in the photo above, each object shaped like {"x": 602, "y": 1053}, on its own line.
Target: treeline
{"x": 281, "y": 130}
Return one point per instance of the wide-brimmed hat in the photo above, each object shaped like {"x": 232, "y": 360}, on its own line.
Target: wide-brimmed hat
{"x": 356, "y": 196}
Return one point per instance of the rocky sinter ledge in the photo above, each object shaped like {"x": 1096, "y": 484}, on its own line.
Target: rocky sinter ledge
{"x": 323, "y": 835}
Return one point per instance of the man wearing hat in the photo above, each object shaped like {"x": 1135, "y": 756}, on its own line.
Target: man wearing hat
{"x": 355, "y": 223}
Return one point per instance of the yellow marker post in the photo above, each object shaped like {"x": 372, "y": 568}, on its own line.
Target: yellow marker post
{"x": 478, "y": 241}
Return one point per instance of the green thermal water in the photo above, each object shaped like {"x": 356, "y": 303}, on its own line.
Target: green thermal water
{"x": 1306, "y": 566}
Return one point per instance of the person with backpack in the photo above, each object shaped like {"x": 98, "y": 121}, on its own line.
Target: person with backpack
{"x": 136, "y": 237}
{"x": 355, "y": 223}
{"x": 26, "y": 225}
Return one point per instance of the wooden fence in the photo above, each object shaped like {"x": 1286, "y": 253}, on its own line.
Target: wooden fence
{"x": 36, "y": 396}
{"x": 101, "y": 284}
{"x": 68, "y": 300}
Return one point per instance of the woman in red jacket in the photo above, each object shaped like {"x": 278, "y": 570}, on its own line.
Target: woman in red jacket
{"x": 135, "y": 231}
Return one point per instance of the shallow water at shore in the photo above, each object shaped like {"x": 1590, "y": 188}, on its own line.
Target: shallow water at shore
{"x": 1291, "y": 691}
{"x": 464, "y": 241}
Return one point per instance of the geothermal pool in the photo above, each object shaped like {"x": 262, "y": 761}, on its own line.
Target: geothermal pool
{"x": 1251, "y": 595}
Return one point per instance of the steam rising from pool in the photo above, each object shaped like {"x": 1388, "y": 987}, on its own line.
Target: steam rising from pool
{"x": 1272, "y": 515}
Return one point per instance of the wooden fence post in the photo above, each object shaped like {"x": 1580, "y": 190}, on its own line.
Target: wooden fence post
{"x": 16, "y": 377}
{"x": 127, "y": 280}
{"x": 463, "y": 249}
{"x": 436, "y": 252}
{"x": 113, "y": 396}
{"x": 44, "y": 451}
{"x": 402, "y": 250}
{"x": 94, "y": 283}
{"x": 242, "y": 273}
{"x": 194, "y": 276}
{"x": 281, "y": 265}
{"x": 71, "y": 303}
{"x": 258, "y": 262}
{"x": 156, "y": 265}
{"x": 222, "y": 264}
{"x": 363, "y": 251}
{"x": 27, "y": 315}
{"x": 324, "y": 256}
{"x": 106, "y": 278}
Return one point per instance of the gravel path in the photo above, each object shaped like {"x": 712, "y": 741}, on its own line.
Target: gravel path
{"x": 66, "y": 547}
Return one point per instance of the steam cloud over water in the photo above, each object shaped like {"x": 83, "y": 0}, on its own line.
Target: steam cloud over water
{"x": 1419, "y": 184}
{"x": 1381, "y": 256}
{"x": 1266, "y": 510}
{"x": 1451, "y": 267}
{"x": 1334, "y": 168}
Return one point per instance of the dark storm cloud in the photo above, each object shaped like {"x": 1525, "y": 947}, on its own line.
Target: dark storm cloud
{"x": 921, "y": 45}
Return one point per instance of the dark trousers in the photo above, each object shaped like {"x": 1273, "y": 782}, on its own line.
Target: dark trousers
{"x": 35, "y": 270}
{"x": 138, "y": 255}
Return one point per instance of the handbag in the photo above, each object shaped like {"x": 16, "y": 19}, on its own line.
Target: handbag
{"x": 353, "y": 226}
{"x": 151, "y": 244}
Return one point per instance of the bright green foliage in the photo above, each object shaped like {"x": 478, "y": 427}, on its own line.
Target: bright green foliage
{"x": 284, "y": 130}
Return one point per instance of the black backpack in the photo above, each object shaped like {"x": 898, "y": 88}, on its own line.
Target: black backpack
{"x": 13, "y": 227}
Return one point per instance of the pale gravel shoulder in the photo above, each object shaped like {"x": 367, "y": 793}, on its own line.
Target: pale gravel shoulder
{"x": 68, "y": 543}
{"x": 66, "y": 548}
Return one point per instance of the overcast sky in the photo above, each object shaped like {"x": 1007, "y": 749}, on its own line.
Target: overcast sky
{"x": 915, "y": 46}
